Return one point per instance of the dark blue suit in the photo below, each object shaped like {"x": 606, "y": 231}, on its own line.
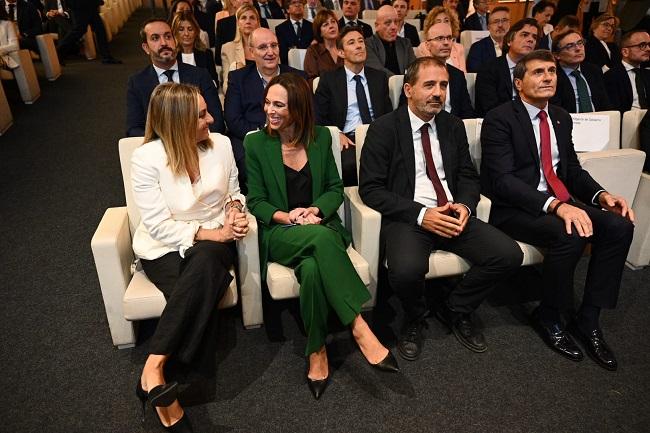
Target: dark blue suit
{"x": 244, "y": 109}
{"x": 287, "y": 37}
{"x": 480, "y": 53}
{"x": 142, "y": 84}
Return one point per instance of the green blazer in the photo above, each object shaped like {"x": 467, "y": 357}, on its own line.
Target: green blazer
{"x": 267, "y": 185}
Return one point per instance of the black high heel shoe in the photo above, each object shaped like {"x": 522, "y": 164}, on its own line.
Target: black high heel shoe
{"x": 389, "y": 364}
{"x": 317, "y": 387}
{"x": 161, "y": 395}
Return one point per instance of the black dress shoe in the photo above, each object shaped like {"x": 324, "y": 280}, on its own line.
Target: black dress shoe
{"x": 161, "y": 395}
{"x": 557, "y": 339}
{"x": 463, "y": 327}
{"x": 317, "y": 387}
{"x": 389, "y": 364}
{"x": 597, "y": 348}
{"x": 410, "y": 342}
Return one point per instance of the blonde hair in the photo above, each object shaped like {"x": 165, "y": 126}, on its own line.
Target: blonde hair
{"x": 241, "y": 11}
{"x": 172, "y": 117}
{"x": 189, "y": 17}
{"x": 438, "y": 10}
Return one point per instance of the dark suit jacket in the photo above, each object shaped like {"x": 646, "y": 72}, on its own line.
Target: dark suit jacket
{"x": 480, "y": 53}
{"x": 632, "y": 14}
{"x": 510, "y": 163}
{"x": 387, "y": 167}
{"x": 367, "y": 30}
{"x": 142, "y": 84}
{"x": 226, "y": 29}
{"x": 205, "y": 18}
{"x": 565, "y": 96}
{"x": 276, "y": 11}
{"x": 243, "y": 106}
{"x": 332, "y": 96}
{"x": 205, "y": 60}
{"x": 644, "y": 140}
{"x": 29, "y": 21}
{"x": 377, "y": 54}
{"x": 267, "y": 185}
{"x": 461, "y": 104}
{"x": 619, "y": 87}
{"x": 287, "y": 37}
{"x": 411, "y": 33}
{"x": 473, "y": 22}
{"x": 493, "y": 85}
{"x": 596, "y": 54}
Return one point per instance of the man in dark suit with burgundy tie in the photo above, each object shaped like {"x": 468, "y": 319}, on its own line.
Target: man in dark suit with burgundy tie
{"x": 416, "y": 171}
{"x": 542, "y": 196}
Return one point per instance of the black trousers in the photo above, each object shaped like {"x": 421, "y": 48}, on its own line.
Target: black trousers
{"x": 80, "y": 21}
{"x": 407, "y": 248}
{"x": 610, "y": 244}
{"x": 193, "y": 287}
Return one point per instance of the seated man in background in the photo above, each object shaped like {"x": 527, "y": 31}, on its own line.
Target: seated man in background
{"x": 57, "y": 18}
{"x": 350, "y": 96}
{"x": 269, "y": 9}
{"x": 28, "y": 19}
{"x": 489, "y": 48}
{"x": 404, "y": 29}
{"x": 351, "y": 9}
{"x": 628, "y": 84}
{"x": 416, "y": 171}
{"x": 295, "y": 32}
{"x": 159, "y": 44}
{"x": 494, "y": 80}
{"x": 243, "y": 106}
{"x": 478, "y": 21}
{"x": 387, "y": 51}
{"x": 542, "y": 196}
{"x": 580, "y": 85}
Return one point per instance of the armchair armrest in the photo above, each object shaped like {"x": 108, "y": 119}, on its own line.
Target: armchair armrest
{"x": 113, "y": 254}
{"x": 365, "y": 227}
{"x": 483, "y": 209}
{"x": 49, "y": 57}
{"x": 250, "y": 278}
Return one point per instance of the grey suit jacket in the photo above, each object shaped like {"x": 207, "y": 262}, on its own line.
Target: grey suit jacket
{"x": 377, "y": 54}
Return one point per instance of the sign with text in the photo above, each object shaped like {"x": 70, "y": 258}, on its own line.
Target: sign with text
{"x": 590, "y": 131}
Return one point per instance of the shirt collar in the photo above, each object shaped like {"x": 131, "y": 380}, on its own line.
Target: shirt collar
{"x": 349, "y": 75}
{"x": 534, "y": 111}
{"x": 262, "y": 76}
{"x": 627, "y": 66}
{"x": 568, "y": 70}
{"x": 511, "y": 64}
{"x": 160, "y": 71}
{"x": 416, "y": 122}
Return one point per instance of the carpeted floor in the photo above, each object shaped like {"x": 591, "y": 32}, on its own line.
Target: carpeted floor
{"x": 60, "y": 373}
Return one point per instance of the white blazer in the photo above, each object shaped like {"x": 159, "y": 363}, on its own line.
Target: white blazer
{"x": 172, "y": 209}
{"x": 231, "y": 52}
{"x": 8, "y": 42}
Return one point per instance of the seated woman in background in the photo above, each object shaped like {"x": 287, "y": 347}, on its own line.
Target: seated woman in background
{"x": 190, "y": 48}
{"x": 599, "y": 48}
{"x": 294, "y": 191}
{"x": 323, "y": 56}
{"x": 236, "y": 51}
{"x": 8, "y": 40}
{"x": 184, "y": 5}
{"x": 441, "y": 14}
{"x": 185, "y": 187}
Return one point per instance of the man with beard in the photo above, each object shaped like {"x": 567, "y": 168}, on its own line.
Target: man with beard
{"x": 159, "y": 44}
{"x": 416, "y": 171}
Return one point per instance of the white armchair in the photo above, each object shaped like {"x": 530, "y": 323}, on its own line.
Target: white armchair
{"x": 281, "y": 280}
{"x": 128, "y": 294}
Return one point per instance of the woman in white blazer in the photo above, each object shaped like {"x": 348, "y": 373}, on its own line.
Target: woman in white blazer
{"x": 184, "y": 182}
{"x": 236, "y": 52}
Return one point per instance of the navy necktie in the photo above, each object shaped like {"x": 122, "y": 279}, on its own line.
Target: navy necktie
{"x": 169, "y": 73}
{"x": 364, "y": 109}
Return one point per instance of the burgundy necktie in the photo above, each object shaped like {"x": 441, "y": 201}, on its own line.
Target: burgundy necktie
{"x": 441, "y": 196}
{"x": 555, "y": 185}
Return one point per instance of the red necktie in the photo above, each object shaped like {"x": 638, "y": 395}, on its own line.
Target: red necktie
{"x": 555, "y": 185}
{"x": 441, "y": 196}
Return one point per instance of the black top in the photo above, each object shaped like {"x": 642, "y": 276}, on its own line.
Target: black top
{"x": 391, "y": 57}
{"x": 298, "y": 186}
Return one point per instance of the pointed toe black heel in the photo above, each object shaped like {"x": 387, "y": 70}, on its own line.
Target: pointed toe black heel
{"x": 317, "y": 387}
{"x": 388, "y": 364}
{"x": 161, "y": 395}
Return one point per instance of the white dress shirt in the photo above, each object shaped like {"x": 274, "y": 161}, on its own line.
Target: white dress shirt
{"x": 632, "y": 76}
{"x": 511, "y": 66}
{"x": 497, "y": 47}
{"x": 171, "y": 208}
{"x": 424, "y": 192}
{"x": 353, "y": 116}
{"x": 162, "y": 78}
{"x": 188, "y": 59}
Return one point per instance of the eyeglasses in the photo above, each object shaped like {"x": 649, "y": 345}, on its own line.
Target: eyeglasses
{"x": 274, "y": 46}
{"x": 608, "y": 25}
{"x": 500, "y": 21}
{"x": 441, "y": 39}
{"x": 641, "y": 46}
{"x": 573, "y": 45}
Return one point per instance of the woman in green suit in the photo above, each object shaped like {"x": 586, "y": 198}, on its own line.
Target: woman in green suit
{"x": 294, "y": 191}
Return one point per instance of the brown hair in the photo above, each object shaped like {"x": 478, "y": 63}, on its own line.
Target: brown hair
{"x": 143, "y": 34}
{"x": 601, "y": 19}
{"x": 321, "y": 17}
{"x": 413, "y": 71}
{"x": 343, "y": 33}
{"x": 519, "y": 25}
{"x": 299, "y": 103}
{"x": 176, "y": 23}
{"x": 172, "y": 117}
{"x": 555, "y": 46}
{"x": 452, "y": 15}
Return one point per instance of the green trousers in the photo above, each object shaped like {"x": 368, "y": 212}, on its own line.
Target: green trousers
{"x": 327, "y": 278}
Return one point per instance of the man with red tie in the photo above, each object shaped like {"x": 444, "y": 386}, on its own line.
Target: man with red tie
{"x": 416, "y": 171}
{"x": 542, "y": 196}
